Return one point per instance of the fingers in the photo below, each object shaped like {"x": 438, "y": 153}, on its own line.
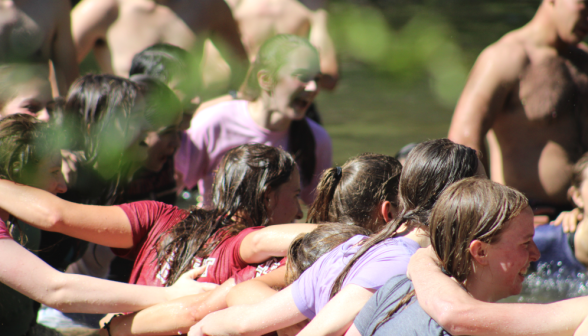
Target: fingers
{"x": 540, "y": 220}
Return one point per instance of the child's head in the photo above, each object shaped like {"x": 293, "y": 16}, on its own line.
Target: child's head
{"x": 579, "y": 190}
{"x": 24, "y": 88}
{"x": 164, "y": 113}
{"x": 482, "y": 232}
{"x": 110, "y": 118}
{"x": 173, "y": 66}
{"x": 29, "y": 153}
{"x": 363, "y": 192}
{"x": 309, "y": 247}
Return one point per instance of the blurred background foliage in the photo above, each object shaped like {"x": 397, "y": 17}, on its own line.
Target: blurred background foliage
{"x": 403, "y": 66}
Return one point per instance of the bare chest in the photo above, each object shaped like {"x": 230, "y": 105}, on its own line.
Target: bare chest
{"x": 555, "y": 88}
{"x": 26, "y": 34}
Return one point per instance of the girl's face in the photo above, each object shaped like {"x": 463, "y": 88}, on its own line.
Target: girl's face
{"x": 296, "y": 84}
{"x": 48, "y": 175}
{"x": 161, "y": 145}
{"x": 33, "y": 98}
{"x": 284, "y": 202}
{"x": 580, "y": 195}
{"x": 510, "y": 257}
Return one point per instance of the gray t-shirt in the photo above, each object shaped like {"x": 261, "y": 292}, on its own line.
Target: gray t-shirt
{"x": 410, "y": 320}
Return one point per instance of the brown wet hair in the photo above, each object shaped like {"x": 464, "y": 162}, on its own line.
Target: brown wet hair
{"x": 349, "y": 194}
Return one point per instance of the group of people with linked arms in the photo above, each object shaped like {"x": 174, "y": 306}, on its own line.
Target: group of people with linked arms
{"x": 422, "y": 243}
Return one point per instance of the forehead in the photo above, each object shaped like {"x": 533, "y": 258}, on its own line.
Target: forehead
{"x": 302, "y": 58}
{"x": 519, "y": 228}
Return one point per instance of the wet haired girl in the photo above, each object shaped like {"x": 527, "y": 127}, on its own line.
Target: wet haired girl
{"x": 353, "y": 271}
{"x": 29, "y": 155}
{"x": 482, "y": 233}
{"x": 279, "y": 87}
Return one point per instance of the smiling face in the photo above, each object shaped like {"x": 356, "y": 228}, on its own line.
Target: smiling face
{"x": 33, "y": 98}
{"x": 509, "y": 258}
{"x": 571, "y": 19}
{"x": 283, "y": 203}
{"x": 296, "y": 85}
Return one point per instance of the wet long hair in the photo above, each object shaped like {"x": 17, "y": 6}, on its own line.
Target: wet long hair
{"x": 24, "y": 142}
{"x": 471, "y": 209}
{"x": 271, "y": 57}
{"x": 349, "y": 194}
{"x": 307, "y": 248}
{"x": 430, "y": 168}
{"x": 246, "y": 174}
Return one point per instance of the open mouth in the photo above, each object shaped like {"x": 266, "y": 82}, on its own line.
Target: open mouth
{"x": 524, "y": 271}
{"x": 301, "y": 102}
{"x": 143, "y": 144}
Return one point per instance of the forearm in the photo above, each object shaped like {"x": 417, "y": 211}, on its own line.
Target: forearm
{"x": 272, "y": 241}
{"x": 249, "y": 292}
{"x": 34, "y": 206}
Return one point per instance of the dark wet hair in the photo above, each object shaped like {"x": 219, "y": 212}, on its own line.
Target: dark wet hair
{"x": 272, "y": 56}
{"x": 246, "y": 174}
{"x": 24, "y": 142}
{"x": 430, "y": 168}
{"x": 309, "y": 247}
{"x": 14, "y": 74}
{"x": 162, "y": 106}
{"x": 349, "y": 194}
{"x": 167, "y": 63}
{"x": 468, "y": 210}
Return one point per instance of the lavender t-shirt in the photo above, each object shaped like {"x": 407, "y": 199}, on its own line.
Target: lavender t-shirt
{"x": 222, "y": 127}
{"x": 312, "y": 290}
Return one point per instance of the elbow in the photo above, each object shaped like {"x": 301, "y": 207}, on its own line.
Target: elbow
{"x": 56, "y": 295}
{"x": 453, "y": 319}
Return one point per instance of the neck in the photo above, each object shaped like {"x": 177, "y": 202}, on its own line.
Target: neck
{"x": 543, "y": 29}
{"x": 267, "y": 117}
{"x": 416, "y": 233}
{"x": 478, "y": 285}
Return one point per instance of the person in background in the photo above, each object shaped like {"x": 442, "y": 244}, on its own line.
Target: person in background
{"x": 280, "y": 86}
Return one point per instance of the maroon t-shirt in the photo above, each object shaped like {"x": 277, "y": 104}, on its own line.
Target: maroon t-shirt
{"x": 4, "y": 232}
{"x": 150, "y": 220}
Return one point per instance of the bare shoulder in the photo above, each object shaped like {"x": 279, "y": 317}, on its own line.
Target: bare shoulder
{"x": 506, "y": 58}
{"x": 97, "y": 10}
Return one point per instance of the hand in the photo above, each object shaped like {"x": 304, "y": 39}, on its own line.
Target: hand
{"x": 186, "y": 284}
{"x": 196, "y": 330}
{"x": 569, "y": 220}
{"x": 423, "y": 256}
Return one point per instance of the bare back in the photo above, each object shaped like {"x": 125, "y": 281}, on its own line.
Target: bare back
{"x": 119, "y": 29}
{"x": 530, "y": 98}
{"x": 261, "y": 19}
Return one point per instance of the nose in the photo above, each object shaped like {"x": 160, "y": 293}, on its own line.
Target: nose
{"x": 299, "y": 214}
{"x": 60, "y": 185}
{"x": 311, "y": 86}
{"x": 534, "y": 253}
{"x": 43, "y": 115}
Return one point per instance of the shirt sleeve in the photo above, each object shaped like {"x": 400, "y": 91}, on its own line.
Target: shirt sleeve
{"x": 324, "y": 160}
{"x": 147, "y": 217}
{"x": 4, "y": 233}
{"x": 303, "y": 292}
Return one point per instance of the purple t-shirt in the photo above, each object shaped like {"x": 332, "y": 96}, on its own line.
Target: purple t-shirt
{"x": 312, "y": 290}
{"x": 222, "y": 127}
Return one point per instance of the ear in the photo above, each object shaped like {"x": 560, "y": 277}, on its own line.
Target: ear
{"x": 268, "y": 198}
{"x": 574, "y": 194}
{"x": 386, "y": 211}
{"x": 265, "y": 80}
{"x": 479, "y": 252}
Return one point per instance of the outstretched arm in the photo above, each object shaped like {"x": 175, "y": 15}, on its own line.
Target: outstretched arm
{"x": 492, "y": 78}
{"x": 272, "y": 241}
{"x": 274, "y": 313}
{"x": 460, "y": 314}
{"x": 173, "y": 317}
{"x": 63, "y": 52}
{"x": 104, "y": 225}
{"x": 29, "y": 275}
{"x": 225, "y": 37}
{"x": 338, "y": 315}
{"x": 90, "y": 20}
{"x": 258, "y": 289}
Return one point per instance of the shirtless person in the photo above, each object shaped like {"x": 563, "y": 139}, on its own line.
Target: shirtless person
{"x": 36, "y": 31}
{"x": 527, "y": 92}
{"x": 119, "y": 29}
